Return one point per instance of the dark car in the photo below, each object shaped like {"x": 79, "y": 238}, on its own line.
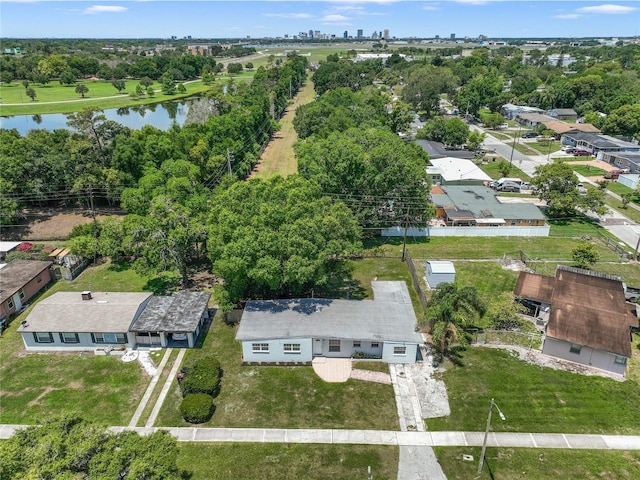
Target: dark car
{"x": 529, "y": 135}
{"x": 582, "y": 153}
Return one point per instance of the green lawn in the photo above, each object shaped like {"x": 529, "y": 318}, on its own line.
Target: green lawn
{"x": 208, "y": 461}
{"x": 40, "y": 385}
{"x": 282, "y": 397}
{"x": 536, "y": 399}
{"x": 489, "y": 278}
{"x": 545, "y": 147}
{"x": 539, "y": 464}
{"x": 629, "y": 212}
{"x": 493, "y": 170}
{"x": 619, "y": 188}
{"x": 524, "y": 149}
{"x": 56, "y": 93}
{"x": 588, "y": 170}
{"x": 468, "y": 248}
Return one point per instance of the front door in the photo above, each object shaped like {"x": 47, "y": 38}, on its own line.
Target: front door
{"x": 317, "y": 347}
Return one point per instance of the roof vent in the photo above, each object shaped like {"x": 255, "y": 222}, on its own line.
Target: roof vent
{"x": 86, "y": 295}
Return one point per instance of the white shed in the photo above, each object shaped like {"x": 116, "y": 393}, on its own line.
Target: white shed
{"x": 440, "y": 272}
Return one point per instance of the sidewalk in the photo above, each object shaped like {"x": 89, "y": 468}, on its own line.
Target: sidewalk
{"x": 385, "y": 437}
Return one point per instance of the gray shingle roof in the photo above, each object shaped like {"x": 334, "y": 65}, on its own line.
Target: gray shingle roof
{"x": 389, "y": 317}
{"x": 480, "y": 200}
{"x": 180, "y": 312}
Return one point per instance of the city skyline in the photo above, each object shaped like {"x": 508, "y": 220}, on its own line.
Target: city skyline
{"x": 275, "y": 19}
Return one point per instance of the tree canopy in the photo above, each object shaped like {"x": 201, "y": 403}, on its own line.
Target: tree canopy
{"x": 277, "y": 237}
{"x": 70, "y": 447}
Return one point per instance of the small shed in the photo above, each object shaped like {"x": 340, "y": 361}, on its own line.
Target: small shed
{"x": 440, "y": 272}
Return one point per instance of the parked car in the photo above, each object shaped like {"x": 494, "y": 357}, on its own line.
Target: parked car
{"x": 568, "y": 149}
{"x": 529, "y": 135}
{"x": 582, "y": 153}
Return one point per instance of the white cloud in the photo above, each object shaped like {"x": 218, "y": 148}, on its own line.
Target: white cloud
{"x": 607, "y": 9}
{"x": 335, "y": 18}
{"x": 93, "y": 9}
{"x": 568, "y": 16}
{"x": 288, "y": 15}
{"x": 430, "y": 7}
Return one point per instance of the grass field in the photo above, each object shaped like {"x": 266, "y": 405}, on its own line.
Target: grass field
{"x": 619, "y": 188}
{"x": 208, "y": 461}
{"x": 278, "y": 158}
{"x": 523, "y": 148}
{"x": 536, "y": 399}
{"x": 539, "y": 464}
{"x": 492, "y": 169}
{"x": 588, "y": 170}
{"x": 545, "y": 147}
{"x": 627, "y": 211}
{"x": 68, "y": 101}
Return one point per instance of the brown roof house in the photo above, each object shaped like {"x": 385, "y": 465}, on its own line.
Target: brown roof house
{"x": 589, "y": 320}
{"x": 19, "y": 281}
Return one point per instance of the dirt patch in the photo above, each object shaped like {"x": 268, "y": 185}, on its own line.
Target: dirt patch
{"x": 51, "y": 224}
{"x": 36, "y": 400}
{"x": 607, "y": 167}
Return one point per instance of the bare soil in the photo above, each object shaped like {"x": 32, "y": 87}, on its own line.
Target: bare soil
{"x": 50, "y": 223}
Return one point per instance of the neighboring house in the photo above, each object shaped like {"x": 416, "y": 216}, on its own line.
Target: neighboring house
{"x": 7, "y": 247}
{"x": 624, "y": 160}
{"x": 604, "y": 146}
{"x": 68, "y": 321}
{"x": 589, "y": 321}
{"x": 455, "y": 171}
{"x": 297, "y": 330}
{"x": 509, "y": 110}
{"x": 563, "y": 114}
{"x": 532, "y": 119}
{"x": 479, "y": 206}
{"x": 19, "y": 281}
{"x": 560, "y": 128}
{"x": 437, "y": 150}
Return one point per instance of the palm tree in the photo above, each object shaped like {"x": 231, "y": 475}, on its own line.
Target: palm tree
{"x": 451, "y": 310}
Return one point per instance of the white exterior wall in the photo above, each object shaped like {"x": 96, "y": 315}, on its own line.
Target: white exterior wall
{"x": 542, "y": 231}
{"x": 409, "y": 357}
{"x": 435, "y": 279}
{"x": 85, "y": 343}
{"x": 276, "y": 351}
{"x": 587, "y": 356}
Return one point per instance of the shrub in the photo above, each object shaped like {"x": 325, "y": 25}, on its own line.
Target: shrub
{"x": 202, "y": 377}
{"x": 197, "y": 407}
{"x": 25, "y": 247}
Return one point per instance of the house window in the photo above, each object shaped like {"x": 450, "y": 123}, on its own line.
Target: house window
{"x": 620, "y": 360}
{"x": 375, "y": 345}
{"x": 260, "y": 347}
{"x": 334, "y": 345}
{"x": 43, "y": 337}
{"x": 575, "y": 348}
{"x": 356, "y": 344}
{"x": 38, "y": 279}
{"x": 291, "y": 348}
{"x": 10, "y": 304}
{"x": 109, "y": 337}
{"x": 69, "y": 337}
{"x": 21, "y": 294}
{"x": 399, "y": 350}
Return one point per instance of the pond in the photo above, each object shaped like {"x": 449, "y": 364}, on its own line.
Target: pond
{"x": 160, "y": 115}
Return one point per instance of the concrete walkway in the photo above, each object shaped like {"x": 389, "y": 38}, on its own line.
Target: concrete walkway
{"x": 333, "y": 370}
{"x": 165, "y": 388}
{"x": 370, "y": 376}
{"x": 149, "y": 391}
{"x": 384, "y": 437}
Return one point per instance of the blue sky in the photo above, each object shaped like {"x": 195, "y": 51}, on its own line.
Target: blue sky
{"x": 238, "y": 19}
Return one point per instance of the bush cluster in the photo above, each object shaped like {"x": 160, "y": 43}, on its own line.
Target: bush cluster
{"x": 197, "y": 407}
{"x": 200, "y": 384}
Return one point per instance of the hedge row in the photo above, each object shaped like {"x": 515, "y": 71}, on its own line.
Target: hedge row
{"x": 200, "y": 384}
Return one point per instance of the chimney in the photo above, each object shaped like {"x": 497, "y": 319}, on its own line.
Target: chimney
{"x": 86, "y": 295}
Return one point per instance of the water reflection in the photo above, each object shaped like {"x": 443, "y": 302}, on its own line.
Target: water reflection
{"x": 159, "y": 115}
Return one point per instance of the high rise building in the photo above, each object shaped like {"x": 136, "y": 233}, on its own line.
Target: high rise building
{"x": 310, "y": 33}
{"x": 453, "y": 36}
{"x": 360, "y": 33}
{"x": 374, "y": 35}
{"x": 345, "y": 35}
{"x": 386, "y": 34}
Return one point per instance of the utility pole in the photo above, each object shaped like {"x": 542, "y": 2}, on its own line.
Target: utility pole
{"x": 95, "y": 222}
{"x": 486, "y": 433}
{"x": 513, "y": 147}
{"x": 229, "y": 160}
{"x": 404, "y": 240}
{"x": 635, "y": 254}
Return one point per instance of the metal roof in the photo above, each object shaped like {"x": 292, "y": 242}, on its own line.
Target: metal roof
{"x": 8, "y": 246}
{"x": 110, "y": 312}
{"x": 441, "y": 266}
{"x": 179, "y": 313}
{"x": 456, "y": 169}
{"x": 17, "y": 274}
{"x": 480, "y": 200}
{"x": 388, "y": 317}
